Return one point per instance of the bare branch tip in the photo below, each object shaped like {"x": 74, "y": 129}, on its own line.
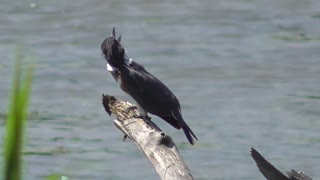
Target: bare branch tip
{"x": 106, "y": 101}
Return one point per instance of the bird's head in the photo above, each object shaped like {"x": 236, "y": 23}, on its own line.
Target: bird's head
{"x": 112, "y": 50}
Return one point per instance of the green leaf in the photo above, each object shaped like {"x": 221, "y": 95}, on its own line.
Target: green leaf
{"x": 17, "y": 115}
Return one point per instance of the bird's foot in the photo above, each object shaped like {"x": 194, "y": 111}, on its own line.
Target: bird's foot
{"x": 137, "y": 116}
{"x": 147, "y": 118}
{"x": 142, "y": 117}
{"x": 131, "y": 108}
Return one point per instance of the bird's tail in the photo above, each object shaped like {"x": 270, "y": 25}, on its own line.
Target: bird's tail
{"x": 186, "y": 129}
{"x": 189, "y": 134}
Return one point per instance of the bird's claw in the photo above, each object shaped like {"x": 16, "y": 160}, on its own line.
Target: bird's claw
{"x": 142, "y": 117}
{"x": 131, "y": 108}
{"x": 147, "y": 118}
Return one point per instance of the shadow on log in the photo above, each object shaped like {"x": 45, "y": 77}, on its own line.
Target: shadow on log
{"x": 156, "y": 145}
{"x": 272, "y": 173}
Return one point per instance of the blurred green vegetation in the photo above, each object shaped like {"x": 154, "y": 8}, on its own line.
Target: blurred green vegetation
{"x": 17, "y": 115}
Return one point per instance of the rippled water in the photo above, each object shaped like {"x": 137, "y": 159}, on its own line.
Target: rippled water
{"x": 246, "y": 73}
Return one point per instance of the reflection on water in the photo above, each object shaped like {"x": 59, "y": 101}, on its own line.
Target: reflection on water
{"x": 246, "y": 74}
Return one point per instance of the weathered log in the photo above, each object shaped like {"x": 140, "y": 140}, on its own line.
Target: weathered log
{"x": 272, "y": 173}
{"x": 156, "y": 145}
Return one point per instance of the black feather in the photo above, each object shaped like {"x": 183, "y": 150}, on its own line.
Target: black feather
{"x": 148, "y": 91}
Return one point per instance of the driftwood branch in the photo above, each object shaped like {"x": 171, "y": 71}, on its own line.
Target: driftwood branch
{"x": 156, "y": 145}
{"x": 272, "y": 173}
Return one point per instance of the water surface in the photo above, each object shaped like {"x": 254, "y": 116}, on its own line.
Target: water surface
{"x": 246, "y": 73}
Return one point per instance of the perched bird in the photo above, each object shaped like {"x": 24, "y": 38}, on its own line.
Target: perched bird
{"x": 151, "y": 95}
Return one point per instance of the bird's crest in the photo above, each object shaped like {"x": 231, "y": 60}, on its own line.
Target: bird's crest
{"x": 113, "y": 34}
{"x": 112, "y": 50}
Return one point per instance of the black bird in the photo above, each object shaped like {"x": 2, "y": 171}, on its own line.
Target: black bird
{"x": 151, "y": 95}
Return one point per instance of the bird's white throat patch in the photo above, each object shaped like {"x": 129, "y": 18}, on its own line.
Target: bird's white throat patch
{"x": 127, "y": 60}
{"x": 109, "y": 67}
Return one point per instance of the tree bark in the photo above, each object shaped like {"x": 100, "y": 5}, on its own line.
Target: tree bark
{"x": 156, "y": 145}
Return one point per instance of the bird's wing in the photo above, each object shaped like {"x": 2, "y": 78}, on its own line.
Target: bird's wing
{"x": 147, "y": 90}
